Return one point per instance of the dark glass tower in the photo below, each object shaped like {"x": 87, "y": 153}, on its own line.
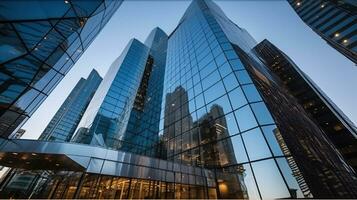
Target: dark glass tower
{"x": 228, "y": 127}
{"x": 338, "y": 128}
{"x": 66, "y": 119}
{"x": 334, "y": 21}
{"x": 40, "y": 42}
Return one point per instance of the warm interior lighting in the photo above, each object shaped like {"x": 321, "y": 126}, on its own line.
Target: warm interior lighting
{"x": 14, "y": 153}
{"x": 223, "y": 188}
{"x": 345, "y": 41}
{"x": 337, "y": 34}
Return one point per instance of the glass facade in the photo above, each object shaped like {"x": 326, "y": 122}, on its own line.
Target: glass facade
{"x": 338, "y": 128}
{"x": 334, "y": 21}
{"x": 141, "y": 135}
{"x": 105, "y": 121}
{"x": 39, "y": 47}
{"x": 71, "y": 170}
{"x": 66, "y": 119}
{"x": 196, "y": 114}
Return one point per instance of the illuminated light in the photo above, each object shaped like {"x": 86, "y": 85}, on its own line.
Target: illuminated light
{"x": 298, "y": 3}
{"x": 173, "y": 104}
{"x": 66, "y": 1}
{"x": 34, "y": 154}
{"x": 45, "y": 38}
{"x": 337, "y": 34}
{"x": 345, "y": 41}
{"x": 36, "y": 49}
{"x": 322, "y": 6}
{"x": 57, "y": 164}
{"x": 223, "y": 188}
{"x": 14, "y": 153}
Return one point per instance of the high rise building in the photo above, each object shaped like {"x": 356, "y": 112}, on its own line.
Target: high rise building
{"x": 126, "y": 95}
{"x": 227, "y": 127}
{"x": 338, "y": 128}
{"x": 65, "y": 121}
{"x": 334, "y": 21}
{"x": 39, "y": 47}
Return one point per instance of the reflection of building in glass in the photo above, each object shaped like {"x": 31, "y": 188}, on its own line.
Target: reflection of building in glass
{"x": 215, "y": 120}
{"x": 141, "y": 135}
{"x": 334, "y": 21}
{"x": 125, "y": 112}
{"x": 66, "y": 119}
{"x": 338, "y": 128}
{"x": 293, "y": 166}
{"x": 39, "y": 47}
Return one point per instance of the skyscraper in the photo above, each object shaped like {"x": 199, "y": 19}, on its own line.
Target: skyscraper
{"x": 106, "y": 119}
{"x": 338, "y": 128}
{"x": 228, "y": 127}
{"x": 40, "y": 42}
{"x": 66, "y": 119}
{"x": 334, "y": 21}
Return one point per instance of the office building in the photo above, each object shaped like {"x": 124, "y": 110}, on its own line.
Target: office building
{"x": 40, "y": 42}
{"x": 338, "y": 128}
{"x": 228, "y": 127}
{"x": 334, "y": 21}
{"x": 65, "y": 121}
{"x": 127, "y": 95}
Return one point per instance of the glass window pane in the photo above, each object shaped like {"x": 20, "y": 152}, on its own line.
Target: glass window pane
{"x": 236, "y": 64}
{"x": 214, "y": 92}
{"x": 232, "y": 126}
{"x": 251, "y": 92}
{"x": 225, "y": 69}
{"x": 245, "y": 118}
{"x": 237, "y": 98}
{"x": 250, "y": 183}
{"x": 239, "y": 151}
{"x": 230, "y": 82}
{"x": 256, "y": 145}
{"x": 291, "y": 177}
{"x": 271, "y": 184}
{"x": 262, "y": 113}
{"x": 275, "y": 140}
{"x": 219, "y": 106}
{"x": 243, "y": 77}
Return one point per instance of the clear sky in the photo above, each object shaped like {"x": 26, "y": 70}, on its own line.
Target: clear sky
{"x": 274, "y": 20}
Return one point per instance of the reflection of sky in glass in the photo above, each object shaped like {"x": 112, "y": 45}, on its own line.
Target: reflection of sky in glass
{"x": 270, "y": 183}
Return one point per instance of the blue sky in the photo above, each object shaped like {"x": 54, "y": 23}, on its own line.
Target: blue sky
{"x": 274, "y": 20}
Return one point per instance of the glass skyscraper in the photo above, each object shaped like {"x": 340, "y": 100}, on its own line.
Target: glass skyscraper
{"x": 334, "y": 21}
{"x": 40, "y": 42}
{"x": 201, "y": 113}
{"x": 338, "y": 128}
{"x": 66, "y": 119}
